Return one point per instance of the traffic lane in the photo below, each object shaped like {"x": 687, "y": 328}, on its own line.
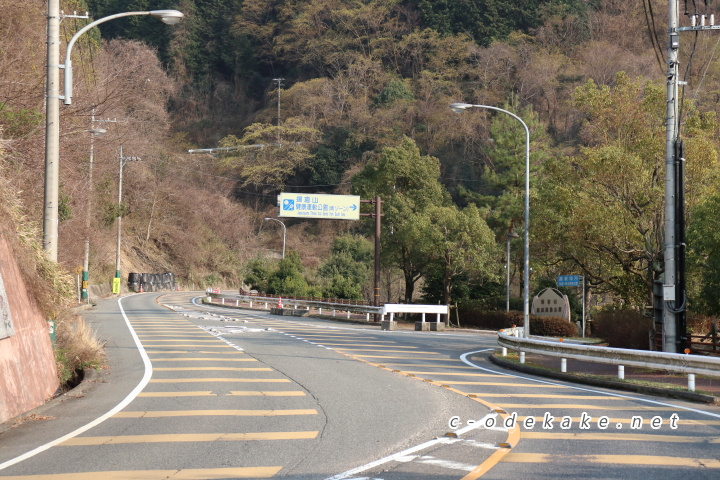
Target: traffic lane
{"x": 108, "y": 450}
{"x": 121, "y": 373}
{"x": 370, "y": 412}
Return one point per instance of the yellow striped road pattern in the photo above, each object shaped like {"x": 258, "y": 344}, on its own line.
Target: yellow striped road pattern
{"x": 203, "y": 391}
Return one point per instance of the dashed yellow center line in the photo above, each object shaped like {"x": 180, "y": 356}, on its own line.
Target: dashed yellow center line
{"x": 189, "y": 437}
{"x": 213, "y": 413}
{"x": 177, "y": 394}
{"x": 278, "y": 393}
{"x": 201, "y": 380}
{"x": 184, "y": 474}
{"x": 613, "y": 459}
{"x": 231, "y": 369}
{"x": 630, "y": 437}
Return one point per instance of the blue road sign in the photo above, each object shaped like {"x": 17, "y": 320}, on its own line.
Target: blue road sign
{"x": 569, "y": 280}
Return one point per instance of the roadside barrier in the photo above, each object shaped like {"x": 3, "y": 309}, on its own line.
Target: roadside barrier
{"x": 690, "y": 365}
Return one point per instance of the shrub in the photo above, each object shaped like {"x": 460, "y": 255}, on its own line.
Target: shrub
{"x": 623, "y": 328}
{"x": 474, "y": 315}
{"x": 552, "y": 327}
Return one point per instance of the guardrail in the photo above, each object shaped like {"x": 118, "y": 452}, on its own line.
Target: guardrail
{"x": 268, "y": 302}
{"x": 675, "y": 362}
{"x": 389, "y": 308}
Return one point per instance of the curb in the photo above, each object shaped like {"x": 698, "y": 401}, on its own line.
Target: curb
{"x": 616, "y": 385}
{"x": 90, "y": 377}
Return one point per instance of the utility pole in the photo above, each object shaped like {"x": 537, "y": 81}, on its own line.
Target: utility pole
{"x": 123, "y": 161}
{"x": 674, "y": 295}
{"x": 279, "y": 89}
{"x": 671, "y": 133}
{"x": 52, "y": 132}
{"x": 88, "y": 213}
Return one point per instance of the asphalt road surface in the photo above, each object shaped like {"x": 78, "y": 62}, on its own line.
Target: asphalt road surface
{"x": 197, "y": 392}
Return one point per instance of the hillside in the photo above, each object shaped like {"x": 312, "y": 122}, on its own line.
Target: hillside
{"x": 335, "y": 89}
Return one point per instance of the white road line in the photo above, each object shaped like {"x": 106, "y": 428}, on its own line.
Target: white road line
{"x": 402, "y": 456}
{"x": 464, "y": 358}
{"x": 131, "y": 396}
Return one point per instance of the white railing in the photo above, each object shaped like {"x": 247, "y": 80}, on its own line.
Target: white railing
{"x": 675, "y": 362}
{"x": 230, "y": 300}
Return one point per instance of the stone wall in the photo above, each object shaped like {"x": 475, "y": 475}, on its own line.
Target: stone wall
{"x": 27, "y": 364}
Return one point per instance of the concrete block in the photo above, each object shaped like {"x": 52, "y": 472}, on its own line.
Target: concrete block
{"x": 422, "y": 326}
{"x": 388, "y": 325}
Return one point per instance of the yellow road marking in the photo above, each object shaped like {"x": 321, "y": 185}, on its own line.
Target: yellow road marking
{"x": 614, "y": 421}
{"x": 176, "y": 339}
{"x": 613, "y": 459}
{"x": 213, "y": 413}
{"x": 176, "y": 359}
{"x": 587, "y": 407}
{"x": 543, "y": 395}
{"x": 189, "y": 437}
{"x": 174, "y": 336}
{"x": 440, "y": 374}
{"x": 194, "y": 352}
{"x": 408, "y": 358}
{"x": 178, "y": 394}
{"x": 186, "y": 345}
{"x": 185, "y": 474}
{"x": 422, "y": 365}
{"x": 634, "y": 437}
{"x": 527, "y": 385}
{"x": 232, "y": 369}
{"x": 278, "y": 393}
{"x": 200, "y": 380}
{"x": 384, "y": 351}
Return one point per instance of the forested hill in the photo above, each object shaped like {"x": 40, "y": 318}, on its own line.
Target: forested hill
{"x": 352, "y": 96}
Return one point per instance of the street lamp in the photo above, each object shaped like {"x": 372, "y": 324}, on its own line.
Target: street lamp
{"x": 511, "y": 234}
{"x": 460, "y": 107}
{"x": 284, "y": 232}
{"x": 93, "y": 131}
{"x": 123, "y": 161}
{"x": 52, "y": 114}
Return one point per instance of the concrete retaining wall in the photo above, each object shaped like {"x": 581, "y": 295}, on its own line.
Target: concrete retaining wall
{"x": 27, "y": 365}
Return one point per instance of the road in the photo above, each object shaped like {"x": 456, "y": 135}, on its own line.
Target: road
{"x": 211, "y": 393}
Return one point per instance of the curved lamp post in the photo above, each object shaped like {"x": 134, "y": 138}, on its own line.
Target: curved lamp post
{"x": 171, "y": 17}
{"x": 460, "y": 107}
{"x": 284, "y": 232}
{"x": 52, "y": 116}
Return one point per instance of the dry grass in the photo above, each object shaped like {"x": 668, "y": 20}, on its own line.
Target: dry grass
{"x": 76, "y": 347}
